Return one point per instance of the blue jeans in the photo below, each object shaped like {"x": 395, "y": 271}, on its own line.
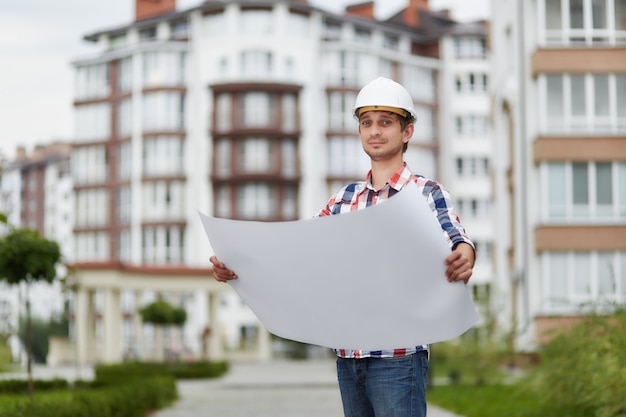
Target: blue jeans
{"x": 384, "y": 387}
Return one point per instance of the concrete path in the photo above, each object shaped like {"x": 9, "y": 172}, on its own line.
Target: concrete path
{"x": 272, "y": 389}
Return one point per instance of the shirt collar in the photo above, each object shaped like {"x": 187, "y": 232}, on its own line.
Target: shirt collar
{"x": 397, "y": 180}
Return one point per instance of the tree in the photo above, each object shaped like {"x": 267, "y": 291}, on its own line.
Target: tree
{"x": 27, "y": 257}
{"x": 161, "y": 313}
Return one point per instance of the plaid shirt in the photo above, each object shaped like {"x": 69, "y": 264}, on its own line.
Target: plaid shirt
{"x": 359, "y": 195}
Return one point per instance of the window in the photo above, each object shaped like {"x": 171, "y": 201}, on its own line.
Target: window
{"x": 163, "y": 200}
{"x": 256, "y": 156}
{"x": 124, "y": 160}
{"x": 472, "y": 166}
{"x": 117, "y": 41}
{"x": 163, "y": 111}
{"x": 163, "y": 69}
{"x": 471, "y": 82}
{"x": 362, "y": 35}
{"x": 583, "y": 103}
{"x": 91, "y": 208}
{"x": 256, "y": 201}
{"x": 345, "y": 157}
{"x": 469, "y": 47}
{"x": 147, "y": 34}
{"x": 340, "y": 116}
{"x": 179, "y": 29}
{"x": 390, "y": 42}
{"x": 579, "y": 279}
{"x": 125, "y": 75}
{"x": 256, "y": 63}
{"x": 258, "y": 109}
{"x": 419, "y": 81}
{"x": 89, "y": 165}
{"x": 92, "y": 246}
{"x": 582, "y": 22}
{"x": 92, "y": 81}
{"x": 163, "y": 156}
{"x": 350, "y": 68}
{"x": 125, "y": 118}
{"x": 163, "y": 245}
{"x": 471, "y": 125}
{"x": 594, "y": 191}
{"x": 332, "y": 30}
{"x": 124, "y": 204}
{"x": 93, "y": 122}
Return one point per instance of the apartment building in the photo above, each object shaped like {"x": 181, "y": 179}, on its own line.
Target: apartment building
{"x": 36, "y": 193}
{"x": 559, "y": 97}
{"x": 242, "y": 110}
{"x": 466, "y": 143}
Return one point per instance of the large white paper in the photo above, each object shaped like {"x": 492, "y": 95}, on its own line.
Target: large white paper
{"x": 369, "y": 279}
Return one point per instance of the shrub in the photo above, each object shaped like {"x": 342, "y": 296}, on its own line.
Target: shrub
{"x": 20, "y": 386}
{"x": 130, "y": 399}
{"x": 586, "y": 367}
{"x": 106, "y": 374}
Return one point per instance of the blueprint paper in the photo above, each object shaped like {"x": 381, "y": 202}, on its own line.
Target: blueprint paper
{"x": 370, "y": 279}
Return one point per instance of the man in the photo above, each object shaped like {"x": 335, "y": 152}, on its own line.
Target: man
{"x": 388, "y": 383}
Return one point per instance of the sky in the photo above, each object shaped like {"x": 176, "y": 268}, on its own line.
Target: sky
{"x": 40, "y": 39}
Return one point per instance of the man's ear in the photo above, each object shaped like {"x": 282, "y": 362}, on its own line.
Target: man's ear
{"x": 408, "y": 132}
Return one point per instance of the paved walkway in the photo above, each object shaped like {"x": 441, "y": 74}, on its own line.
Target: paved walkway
{"x": 272, "y": 389}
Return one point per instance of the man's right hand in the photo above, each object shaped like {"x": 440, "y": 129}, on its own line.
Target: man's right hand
{"x": 220, "y": 272}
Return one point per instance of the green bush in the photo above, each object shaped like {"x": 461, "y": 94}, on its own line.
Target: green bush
{"x": 106, "y": 374}
{"x": 586, "y": 367}
{"x": 20, "y": 386}
{"x": 130, "y": 399}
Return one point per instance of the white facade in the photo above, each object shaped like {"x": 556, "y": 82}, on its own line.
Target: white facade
{"x": 236, "y": 111}
{"x": 559, "y": 113}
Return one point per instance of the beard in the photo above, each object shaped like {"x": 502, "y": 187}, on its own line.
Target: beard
{"x": 386, "y": 151}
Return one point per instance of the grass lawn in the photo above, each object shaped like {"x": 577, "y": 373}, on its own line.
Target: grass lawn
{"x": 495, "y": 401}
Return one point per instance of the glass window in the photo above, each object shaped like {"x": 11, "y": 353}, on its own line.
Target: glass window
{"x": 555, "y": 101}
{"x": 222, "y": 158}
{"x": 578, "y": 103}
{"x": 604, "y": 184}
{"x": 92, "y": 81}
{"x": 224, "y": 112}
{"x": 620, "y": 15}
{"x": 621, "y": 178}
{"x": 256, "y": 63}
{"x": 258, "y": 110}
{"x": 223, "y": 206}
{"x": 163, "y": 156}
{"x": 553, "y": 14}
{"x": 582, "y": 274}
{"x": 556, "y": 190}
{"x": 93, "y": 122}
{"x": 598, "y": 14}
{"x": 601, "y": 97}
{"x": 256, "y": 201}
{"x": 558, "y": 291}
{"x": 125, "y": 70}
{"x": 620, "y": 94}
{"x": 125, "y": 118}
{"x": 332, "y": 30}
{"x": 576, "y": 14}
{"x": 606, "y": 274}
{"x": 362, "y": 35}
{"x": 163, "y": 111}
{"x": 289, "y": 113}
{"x": 256, "y": 155}
{"x": 289, "y": 158}
{"x": 163, "y": 68}
{"x": 346, "y": 157}
{"x": 580, "y": 183}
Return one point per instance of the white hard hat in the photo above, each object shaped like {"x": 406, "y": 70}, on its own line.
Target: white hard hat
{"x": 384, "y": 94}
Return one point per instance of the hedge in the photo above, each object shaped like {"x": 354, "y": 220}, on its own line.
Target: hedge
{"x": 106, "y": 374}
